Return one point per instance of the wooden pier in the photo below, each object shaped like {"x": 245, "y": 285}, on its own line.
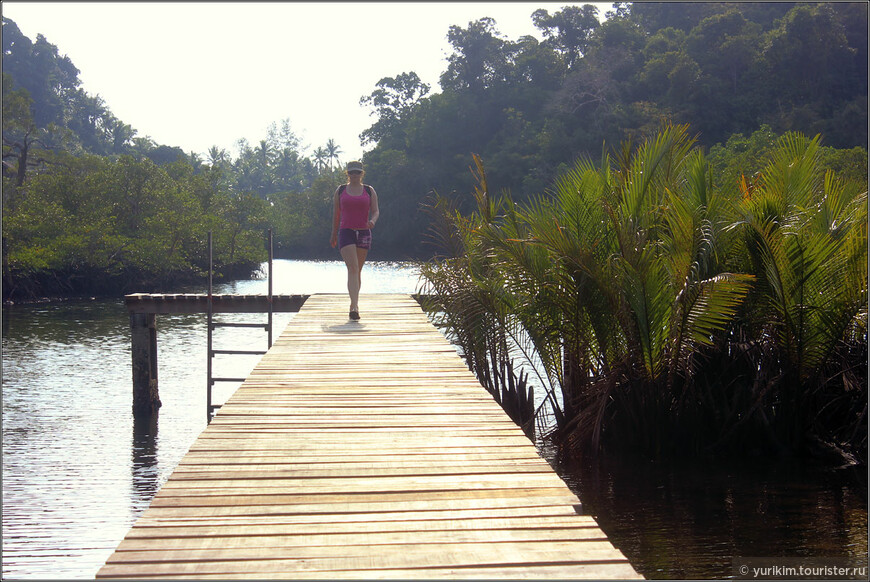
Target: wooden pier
{"x": 363, "y": 450}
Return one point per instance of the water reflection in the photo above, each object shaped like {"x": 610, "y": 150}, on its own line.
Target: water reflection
{"x": 145, "y": 473}
{"x": 690, "y": 519}
{"x": 66, "y": 404}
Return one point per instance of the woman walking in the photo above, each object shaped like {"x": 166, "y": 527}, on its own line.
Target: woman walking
{"x": 355, "y": 212}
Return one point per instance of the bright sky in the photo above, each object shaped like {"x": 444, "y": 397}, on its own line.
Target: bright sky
{"x": 195, "y": 75}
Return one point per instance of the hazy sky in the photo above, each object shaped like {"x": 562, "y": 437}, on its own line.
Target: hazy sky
{"x": 195, "y": 75}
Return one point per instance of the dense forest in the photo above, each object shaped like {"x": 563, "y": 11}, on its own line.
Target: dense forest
{"x": 89, "y": 206}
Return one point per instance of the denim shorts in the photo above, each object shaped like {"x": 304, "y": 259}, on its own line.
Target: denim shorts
{"x": 361, "y": 238}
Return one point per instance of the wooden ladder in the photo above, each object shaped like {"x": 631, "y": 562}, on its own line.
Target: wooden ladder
{"x": 212, "y": 325}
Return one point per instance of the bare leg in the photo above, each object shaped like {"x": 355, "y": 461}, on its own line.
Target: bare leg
{"x": 361, "y": 255}
{"x": 351, "y": 259}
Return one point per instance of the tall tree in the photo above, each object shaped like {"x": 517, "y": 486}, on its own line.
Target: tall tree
{"x": 217, "y": 156}
{"x": 807, "y": 54}
{"x": 121, "y": 135}
{"x": 38, "y": 67}
{"x": 332, "y": 151}
{"x": 88, "y": 114}
{"x": 569, "y": 30}
{"x": 479, "y": 60}
{"x": 24, "y": 143}
{"x": 320, "y": 159}
{"x": 283, "y": 137}
{"x": 393, "y": 100}
{"x": 288, "y": 170}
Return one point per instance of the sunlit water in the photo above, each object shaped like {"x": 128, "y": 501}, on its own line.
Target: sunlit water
{"x": 78, "y": 471}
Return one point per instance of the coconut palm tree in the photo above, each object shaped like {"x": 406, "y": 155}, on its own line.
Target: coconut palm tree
{"x": 321, "y": 157}
{"x": 262, "y": 168}
{"x": 332, "y": 151}
{"x": 287, "y": 170}
{"x": 217, "y": 157}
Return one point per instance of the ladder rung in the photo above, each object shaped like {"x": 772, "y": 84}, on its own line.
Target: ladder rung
{"x": 231, "y": 324}
{"x": 213, "y": 380}
{"x": 239, "y": 352}
{"x": 215, "y": 406}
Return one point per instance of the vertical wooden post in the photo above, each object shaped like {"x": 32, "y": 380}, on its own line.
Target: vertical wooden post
{"x": 146, "y": 398}
{"x": 269, "y": 325}
{"x": 208, "y": 371}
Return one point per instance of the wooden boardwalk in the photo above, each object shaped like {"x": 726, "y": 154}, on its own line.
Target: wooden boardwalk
{"x": 363, "y": 450}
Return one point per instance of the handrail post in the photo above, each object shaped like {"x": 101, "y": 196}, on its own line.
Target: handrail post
{"x": 208, "y": 323}
{"x": 270, "y": 291}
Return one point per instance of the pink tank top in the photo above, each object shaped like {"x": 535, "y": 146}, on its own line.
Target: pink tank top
{"x": 355, "y": 210}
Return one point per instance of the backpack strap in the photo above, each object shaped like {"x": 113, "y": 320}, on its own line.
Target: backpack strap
{"x": 366, "y": 188}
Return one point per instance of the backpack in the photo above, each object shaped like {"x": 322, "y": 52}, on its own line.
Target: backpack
{"x": 366, "y": 188}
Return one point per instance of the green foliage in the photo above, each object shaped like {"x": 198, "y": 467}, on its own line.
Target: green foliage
{"x": 724, "y": 69}
{"x": 806, "y": 233}
{"x": 569, "y": 30}
{"x": 88, "y": 207}
{"x": 392, "y": 101}
{"x": 94, "y": 225}
{"x": 666, "y": 311}
{"x": 303, "y": 220}
{"x": 743, "y": 157}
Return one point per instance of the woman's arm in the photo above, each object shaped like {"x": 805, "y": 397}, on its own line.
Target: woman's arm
{"x": 336, "y": 218}
{"x": 374, "y": 211}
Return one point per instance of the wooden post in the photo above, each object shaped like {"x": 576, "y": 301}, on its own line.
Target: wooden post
{"x": 146, "y": 398}
{"x": 208, "y": 323}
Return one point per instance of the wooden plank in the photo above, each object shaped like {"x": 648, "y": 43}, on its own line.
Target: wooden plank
{"x": 363, "y": 450}
{"x": 591, "y": 570}
{"x": 545, "y": 523}
{"x": 367, "y": 484}
{"x": 444, "y": 498}
{"x": 489, "y": 554}
{"x": 211, "y": 507}
{"x": 551, "y": 508}
{"x": 391, "y": 553}
{"x": 361, "y": 459}
{"x": 198, "y": 303}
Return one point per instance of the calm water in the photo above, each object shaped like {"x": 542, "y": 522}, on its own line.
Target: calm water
{"x": 694, "y": 520}
{"x": 78, "y": 471}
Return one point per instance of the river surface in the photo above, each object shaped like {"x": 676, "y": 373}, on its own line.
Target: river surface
{"x": 78, "y": 471}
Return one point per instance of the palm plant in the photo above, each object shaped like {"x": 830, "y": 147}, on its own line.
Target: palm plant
{"x": 635, "y": 276}
{"x": 217, "y": 157}
{"x": 287, "y": 170}
{"x": 660, "y": 311}
{"x": 611, "y": 282}
{"x": 332, "y": 151}
{"x": 320, "y": 159}
{"x": 472, "y": 304}
{"x": 806, "y": 234}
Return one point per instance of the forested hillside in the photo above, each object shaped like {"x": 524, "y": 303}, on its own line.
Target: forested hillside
{"x": 90, "y": 205}
{"x": 530, "y": 108}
